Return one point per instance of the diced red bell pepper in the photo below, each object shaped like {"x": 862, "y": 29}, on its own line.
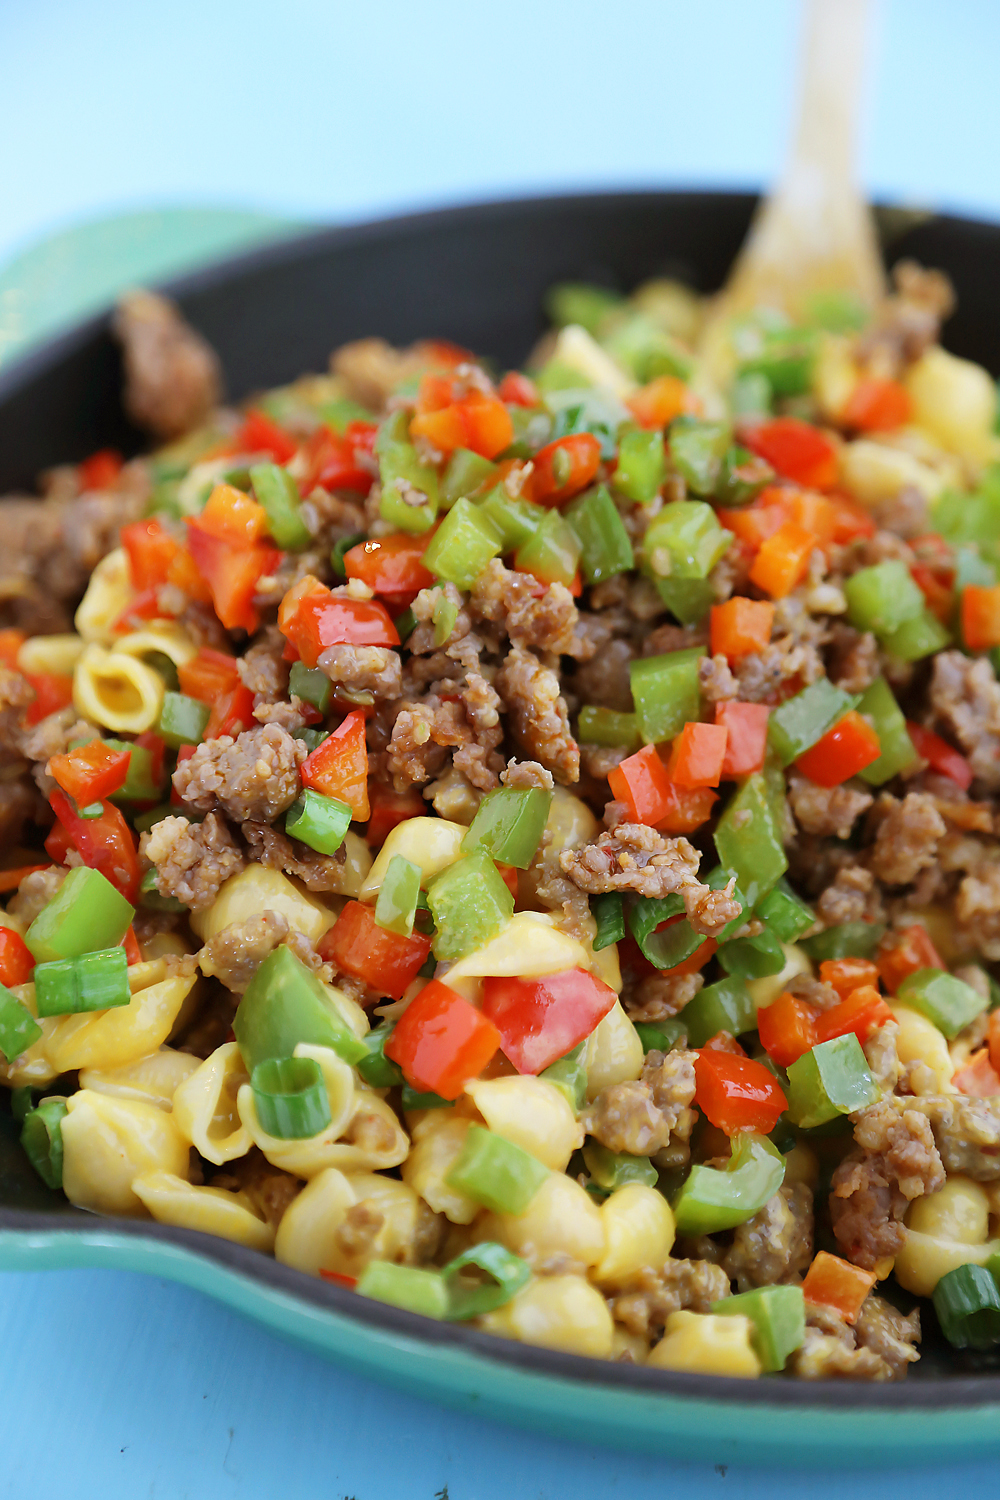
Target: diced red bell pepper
{"x": 978, "y": 1078}
{"x": 232, "y": 713}
{"x": 783, "y": 560}
{"x": 843, "y": 751}
{"x": 231, "y": 515}
{"x": 105, "y": 843}
{"x": 851, "y": 520}
{"x": 11, "y": 641}
{"x": 476, "y": 419}
{"x": 563, "y": 468}
{"x": 11, "y": 879}
{"x": 391, "y": 565}
{"x": 441, "y": 1041}
{"x": 685, "y": 809}
{"x": 913, "y": 950}
{"x": 740, "y": 626}
{"x": 737, "y": 1093}
{"x": 17, "y": 962}
{"x": 877, "y": 406}
{"x": 795, "y": 449}
{"x": 539, "y": 1020}
{"x": 133, "y": 953}
{"x": 231, "y": 570}
{"x": 208, "y": 674}
{"x": 52, "y": 692}
{"x": 157, "y": 748}
{"x": 313, "y": 619}
{"x": 746, "y": 745}
{"x": 261, "y": 434}
{"x": 184, "y": 753}
{"x": 723, "y": 1041}
{"x": 140, "y": 608}
{"x": 184, "y": 575}
{"x": 981, "y": 616}
{"x": 847, "y": 974}
{"x": 993, "y": 1038}
{"x": 339, "y": 766}
{"x": 151, "y": 549}
{"x": 91, "y": 772}
{"x": 939, "y": 755}
{"x": 333, "y": 462}
{"x": 863, "y": 1012}
{"x": 936, "y": 586}
{"x": 641, "y": 782}
{"x": 517, "y": 390}
{"x": 58, "y": 843}
{"x": 508, "y": 874}
{"x": 697, "y": 755}
{"x": 388, "y": 808}
{"x": 386, "y": 961}
{"x": 786, "y": 1028}
{"x": 659, "y": 402}
{"x": 837, "y": 1284}
{"x": 100, "y": 470}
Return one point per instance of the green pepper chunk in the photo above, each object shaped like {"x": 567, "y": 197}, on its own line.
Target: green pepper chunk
{"x": 469, "y": 1296}
{"x": 515, "y": 521}
{"x": 689, "y": 534}
{"x": 22, "y": 1102}
{"x": 617, "y": 1169}
{"x": 337, "y": 414}
{"x": 723, "y": 1006}
{"x": 183, "y": 720}
{"x": 93, "y": 981}
{"x": 276, "y": 490}
{"x": 338, "y": 550}
{"x": 967, "y": 1303}
{"x": 494, "y": 1172}
{"x": 18, "y": 1028}
{"x": 85, "y": 914}
{"x": 375, "y": 1068}
{"x": 605, "y": 549}
{"x": 290, "y": 1097}
{"x": 469, "y": 903}
{"x": 688, "y": 599}
{"x": 713, "y": 1200}
{"x": 41, "y": 1139}
{"x": 751, "y": 395}
{"x": 462, "y": 545}
{"x": 878, "y": 703}
{"x": 849, "y": 940}
{"x": 399, "y": 892}
{"x": 798, "y": 723}
{"x": 609, "y": 914}
{"x": 407, "y": 1287}
{"x": 830, "y": 1079}
{"x": 138, "y": 785}
{"x": 318, "y": 821}
{"x": 605, "y": 726}
{"x": 882, "y": 597}
{"x": 778, "y": 1315}
{"x": 464, "y": 473}
{"x": 671, "y": 946}
{"x": 580, "y": 302}
{"x": 753, "y": 957}
{"x": 552, "y": 552}
{"x": 404, "y": 478}
{"x": 917, "y": 638}
{"x": 748, "y": 838}
{"x": 644, "y": 348}
{"x": 661, "y": 1036}
{"x": 509, "y": 824}
{"x": 742, "y": 477}
{"x": 787, "y": 916}
{"x": 786, "y": 362}
{"x": 697, "y": 449}
{"x": 948, "y": 1002}
{"x": 569, "y": 1075}
{"x": 311, "y": 685}
{"x": 285, "y": 1004}
{"x": 641, "y": 464}
{"x": 666, "y": 693}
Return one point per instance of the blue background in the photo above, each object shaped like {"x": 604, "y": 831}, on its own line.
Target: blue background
{"x": 116, "y": 1385}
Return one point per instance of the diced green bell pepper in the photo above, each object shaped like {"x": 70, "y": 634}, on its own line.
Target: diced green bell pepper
{"x": 848, "y": 940}
{"x": 605, "y": 726}
{"x": 569, "y": 1075}
{"x": 882, "y": 597}
{"x": 641, "y": 464}
{"x": 464, "y": 473}
{"x": 341, "y": 547}
{"x": 375, "y": 1068}
{"x": 742, "y": 477}
{"x": 748, "y": 838}
{"x": 408, "y": 1287}
{"x": 462, "y": 545}
{"x": 509, "y": 824}
{"x": 712, "y": 1200}
{"x": 661, "y": 1036}
{"x": 85, "y": 914}
{"x": 18, "y": 1028}
{"x": 596, "y": 412}
{"x": 750, "y": 395}
{"x": 580, "y": 302}
{"x": 786, "y": 361}
{"x": 645, "y": 349}
{"x": 796, "y": 725}
{"x": 787, "y": 916}
{"x": 753, "y": 957}
{"x": 666, "y": 949}
{"x": 688, "y": 599}
{"x": 689, "y": 535}
{"x": 469, "y": 903}
{"x": 778, "y": 1315}
{"x": 285, "y": 1004}
{"x": 182, "y": 720}
{"x": 609, "y": 914}
{"x": 666, "y": 692}
{"x": 830, "y": 1079}
{"x": 723, "y": 1006}
{"x": 917, "y": 638}
{"x": 605, "y": 549}
{"x": 948, "y": 1002}
{"x": 404, "y": 477}
{"x": 311, "y": 685}
{"x": 515, "y": 521}
{"x": 552, "y": 552}
{"x": 318, "y": 821}
{"x": 41, "y": 1139}
{"x": 276, "y": 490}
{"x": 92, "y": 981}
{"x": 496, "y": 1173}
{"x": 836, "y": 311}
{"x": 611, "y": 1169}
{"x": 697, "y": 449}
{"x": 138, "y": 785}
{"x": 878, "y": 703}
{"x": 396, "y": 906}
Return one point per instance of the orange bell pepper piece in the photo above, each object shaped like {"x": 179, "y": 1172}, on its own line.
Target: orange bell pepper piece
{"x": 339, "y": 766}
{"x": 847, "y": 974}
{"x": 981, "y": 616}
{"x": 746, "y": 743}
{"x": 783, "y": 560}
{"x": 739, "y": 627}
{"x": 877, "y": 406}
{"x": 863, "y": 1011}
{"x": 441, "y": 1041}
{"x": 836, "y": 1284}
{"x": 786, "y": 1028}
{"x": 697, "y": 755}
{"x": 844, "y": 750}
{"x": 914, "y": 950}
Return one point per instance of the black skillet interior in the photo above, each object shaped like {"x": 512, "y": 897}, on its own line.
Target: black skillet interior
{"x": 476, "y": 275}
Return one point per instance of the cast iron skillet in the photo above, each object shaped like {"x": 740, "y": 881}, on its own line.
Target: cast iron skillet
{"x": 477, "y": 275}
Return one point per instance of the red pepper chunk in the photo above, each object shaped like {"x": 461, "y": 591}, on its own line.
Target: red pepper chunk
{"x": 91, "y": 772}
{"x": 837, "y": 1284}
{"x": 100, "y": 470}
{"x": 17, "y": 963}
{"x": 736, "y": 1093}
{"x": 844, "y": 750}
{"x": 313, "y": 619}
{"x": 746, "y": 744}
{"x": 539, "y": 1020}
{"x": 11, "y": 641}
{"x": 697, "y": 755}
{"x": 993, "y": 1039}
{"x": 389, "y": 808}
{"x": 231, "y": 569}
{"x": 11, "y": 879}
{"x": 518, "y": 390}
{"x": 386, "y": 961}
{"x": 939, "y": 755}
{"x": 643, "y": 784}
{"x": 232, "y": 515}
{"x": 740, "y": 626}
{"x": 795, "y": 449}
{"x": 981, "y": 616}
{"x": 339, "y": 766}
{"x": 913, "y": 951}
{"x": 936, "y": 586}
{"x": 863, "y": 1012}
{"x": 563, "y": 468}
{"x": 441, "y": 1041}
{"x": 261, "y": 434}
{"x": 978, "y": 1079}
{"x": 333, "y": 462}
{"x": 52, "y": 692}
{"x": 208, "y": 674}
{"x": 847, "y": 974}
{"x": 133, "y": 953}
{"x": 877, "y": 406}
{"x": 105, "y": 843}
{"x": 232, "y": 713}
{"x": 391, "y": 565}
{"x": 150, "y": 549}
{"x": 786, "y": 1029}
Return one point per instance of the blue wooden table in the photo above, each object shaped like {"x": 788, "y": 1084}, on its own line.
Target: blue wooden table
{"x": 116, "y": 1386}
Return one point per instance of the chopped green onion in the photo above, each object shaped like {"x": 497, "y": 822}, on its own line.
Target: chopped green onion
{"x": 796, "y": 725}
{"x": 967, "y": 1303}
{"x": 778, "y": 1315}
{"x": 883, "y": 597}
{"x": 830, "y": 1079}
{"x": 285, "y": 1004}
{"x": 502, "y": 1275}
{"x": 641, "y": 464}
{"x": 85, "y": 914}
{"x": 666, "y": 949}
{"x": 290, "y": 1097}
{"x": 753, "y": 957}
{"x": 666, "y": 692}
{"x": 469, "y": 903}
{"x": 609, "y": 914}
{"x": 552, "y": 552}
{"x": 688, "y": 535}
{"x": 407, "y": 1287}
{"x": 462, "y": 545}
{"x": 396, "y": 906}
{"x": 464, "y": 473}
{"x": 276, "y": 490}
{"x": 93, "y": 981}
{"x": 661, "y": 1036}
{"x": 18, "y": 1028}
{"x": 339, "y": 548}
{"x": 41, "y": 1139}
{"x": 375, "y": 1068}
{"x": 605, "y": 726}
{"x": 509, "y": 824}
{"x": 611, "y": 1169}
{"x": 143, "y": 822}
{"x": 697, "y": 449}
{"x": 723, "y": 1006}
{"x": 182, "y": 720}
{"x": 712, "y": 1200}
{"x": 414, "y": 1099}
{"x": 311, "y": 685}
{"x": 849, "y": 940}
{"x": 605, "y": 549}
{"x": 787, "y": 916}
{"x": 494, "y": 1172}
{"x": 321, "y": 822}
{"x": 948, "y": 1002}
